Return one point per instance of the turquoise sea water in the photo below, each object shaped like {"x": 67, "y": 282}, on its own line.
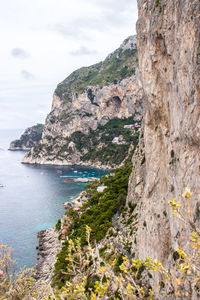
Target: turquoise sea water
{"x": 32, "y": 198}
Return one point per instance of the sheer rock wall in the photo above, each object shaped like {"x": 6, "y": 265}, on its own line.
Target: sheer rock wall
{"x": 169, "y": 63}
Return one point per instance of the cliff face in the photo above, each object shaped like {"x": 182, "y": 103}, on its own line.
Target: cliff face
{"x": 28, "y": 139}
{"x": 87, "y": 98}
{"x": 166, "y": 160}
{"x": 169, "y": 62}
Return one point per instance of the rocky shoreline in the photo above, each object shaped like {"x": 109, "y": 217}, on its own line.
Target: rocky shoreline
{"x": 49, "y": 246}
{"x": 76, "y": 203}
{"x": 18, "y": 148}
{"x": 63, "y": 163}
{"x": 28, "y": 139}
{"x": 81, "y": 179}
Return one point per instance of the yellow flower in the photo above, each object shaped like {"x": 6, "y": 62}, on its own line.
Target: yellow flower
{"x": 93, "y": 296}
{"x": 151, "y": 292}
{"x": 176, "y": 293}
{"x": 196, "y": 280}
{"x": 177, "y": 281}
{"x": 187, "y": 194}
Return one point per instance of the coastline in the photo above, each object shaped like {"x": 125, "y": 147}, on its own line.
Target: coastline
{"x": 76, "y": 203}
{"x": 58, "y": 163}
{"x": 49, "y": 245}
{"x": 18, "y": 149}
{"x": 65, "y": 164}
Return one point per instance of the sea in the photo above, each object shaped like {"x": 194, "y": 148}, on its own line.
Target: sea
{"x": 32, "y": 198}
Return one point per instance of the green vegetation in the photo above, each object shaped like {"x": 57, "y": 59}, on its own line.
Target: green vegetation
{"x": 157, "y": 3}
{"x": 165, "y": 213}
{"x": 58, "y": 225}
{"x": 132, "y": 206}
{"x": 143, "y": 160}
{"x": 101, "y": 207}
{"x": 118, "y": 263}
{"x": 94, "y": 278}
{"x": 110, "y": 154}
{"x": 16, "y": 286}
{"x": 98, "y": 143}
{"x": 102, "y": 251}
{"x": 37, "y": 149}
{"x": 97, "y": 213}
{"x": 117, "y": 66}
{"x": 91, "y": 96}
{"x": 31, "y": 136}
{"x": 173, "y": 158}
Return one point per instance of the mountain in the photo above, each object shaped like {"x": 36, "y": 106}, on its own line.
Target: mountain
{"x": 134, "y": 233}
{"x": 138, "y": 242}
{"x": 79, "y": 128}
{"x": 28, "y": 139}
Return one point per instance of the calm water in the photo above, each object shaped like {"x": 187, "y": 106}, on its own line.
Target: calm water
{"x": 32, "y": 198}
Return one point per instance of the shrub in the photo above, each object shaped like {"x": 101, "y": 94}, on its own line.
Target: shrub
{"x": 119, "y": 65}
{"x": 97, "y": 213}
{"x": 58, "y": 225}
{"x": 17, "y": 286}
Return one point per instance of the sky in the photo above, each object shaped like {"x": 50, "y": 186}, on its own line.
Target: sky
{"x": 43, "y": 41}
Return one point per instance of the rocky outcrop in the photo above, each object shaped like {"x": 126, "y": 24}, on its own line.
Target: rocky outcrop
{"x": 76, "y": 203}
{"x": 28, "y": 139}
{"x": 81, "y": 179}
{"x": 89, "y": 98}
{"x": 166, "y": 160}
{"x": 169, "y": 62}
{"x": 48, "y": 247}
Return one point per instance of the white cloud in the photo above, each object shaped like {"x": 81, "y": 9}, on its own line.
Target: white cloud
{"x": 19, "y": 53}
{"x": 27, "y": 75}
{"x": 52, "y": 38}
{"x": 82, "y": 51}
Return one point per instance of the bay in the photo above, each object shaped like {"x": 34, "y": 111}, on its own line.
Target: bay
{"x": 32, "y": 198}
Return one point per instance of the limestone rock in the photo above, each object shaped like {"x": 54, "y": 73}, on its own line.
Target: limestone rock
{"x": 87, "y": 98}
{"x": 169, "y": 63}
{"x": 28, "y": 139}
{"x": 49, "y": 247}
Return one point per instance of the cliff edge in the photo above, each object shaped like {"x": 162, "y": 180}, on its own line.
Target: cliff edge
{"x": 28, "y": 139}
{"x": 169, "y": 63}
{"x": 84, "y": 103}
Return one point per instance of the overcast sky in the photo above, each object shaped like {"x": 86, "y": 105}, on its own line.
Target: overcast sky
{"x": 43, "y": 41}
